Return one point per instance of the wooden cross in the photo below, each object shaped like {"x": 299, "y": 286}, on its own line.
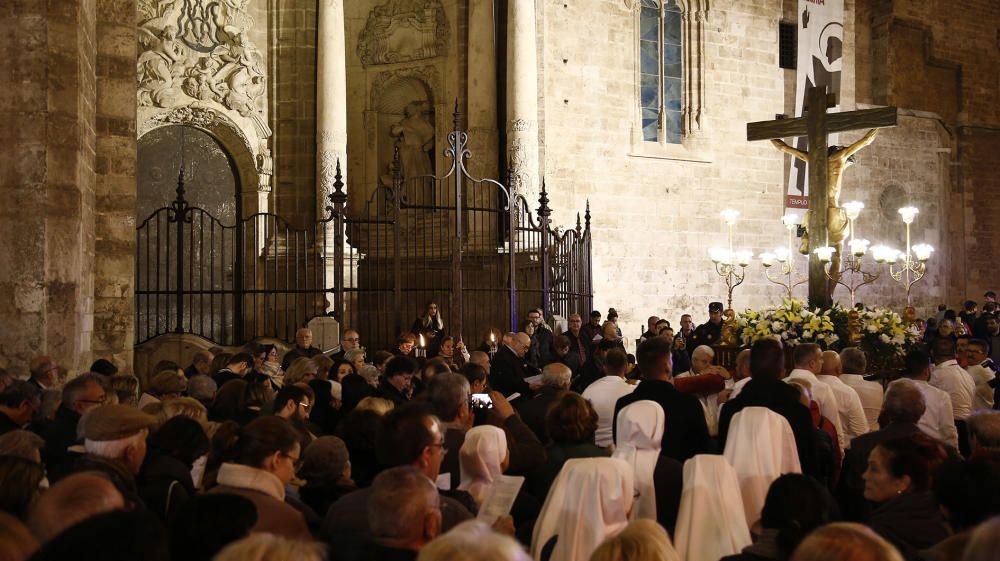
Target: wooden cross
{"x": 816, "y": 125}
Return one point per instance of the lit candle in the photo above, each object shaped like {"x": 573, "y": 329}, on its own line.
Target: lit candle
{"x": 729, "y": 216}
{"x": 908, "y": 213}
{"x": 782, "y": 254}
{"x": 767, "y": 258}
{"x": 853, "y": 209}
{"x": 858, "y": 246}
{"x": 922, "y": 251}
{"x": 743, "y": 257}
{"x": 825, "y": 253}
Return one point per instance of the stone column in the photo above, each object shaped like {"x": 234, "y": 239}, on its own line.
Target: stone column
{"x": 522, "y": 97}
{"x": 331, "y": 100}
{"x": 482, "y": 90}
{"x": 331, "y": 123}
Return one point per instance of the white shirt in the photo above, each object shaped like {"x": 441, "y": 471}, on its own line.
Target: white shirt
{"x": 871, "y": 395}
{"x": 852, "y": 413}
{"x": 710, "y": 404}
{"x": 952, "y": 378}
{"x": 938, "y": 419}
{"x": 824, "y": 397}
{"x": 738, "y": 387}
{"x": 603, "y": 394}
{"x": 982, "y": 376}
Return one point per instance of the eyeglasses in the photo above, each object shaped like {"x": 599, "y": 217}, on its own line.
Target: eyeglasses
{"x": 352, "y": 340}
{"x": 296, "y": 460}
{"x": 305, "y": 405}
{"x": 444, "y": 451}
{"x": 101, "y": 401}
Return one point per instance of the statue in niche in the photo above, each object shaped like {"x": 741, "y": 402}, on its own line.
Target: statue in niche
{"x": 162, "y": 62}
{"x": 415, "y": 135}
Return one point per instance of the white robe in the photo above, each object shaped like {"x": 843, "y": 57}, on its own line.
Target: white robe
{"x": 760, "y": 447}
{"x": 711, "y": 523}
{"x": 588, "y": 502}
{"x": 640, "y": 432}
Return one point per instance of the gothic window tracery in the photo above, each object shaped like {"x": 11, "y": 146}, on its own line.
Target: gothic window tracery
{"x": 661, "y": 56}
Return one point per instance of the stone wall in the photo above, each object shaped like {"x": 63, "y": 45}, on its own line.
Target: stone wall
{"x": 292, "y": 104}
{"x": 656, "y": 213}
{"x": 920, "y": 63}
{"x": 47, "y": 174}
{"x": 115, "y": 188}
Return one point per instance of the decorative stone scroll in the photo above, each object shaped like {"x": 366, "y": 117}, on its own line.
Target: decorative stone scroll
{"x": 403, "y": 31}
{"x": 198, "y": 50}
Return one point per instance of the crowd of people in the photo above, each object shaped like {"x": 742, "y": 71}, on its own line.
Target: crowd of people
{"x": 537, "y": 444}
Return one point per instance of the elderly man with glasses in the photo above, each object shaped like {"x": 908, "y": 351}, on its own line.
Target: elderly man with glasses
{"x": 79, "y": 395}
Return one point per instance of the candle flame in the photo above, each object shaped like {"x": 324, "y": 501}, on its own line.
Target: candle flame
{"x": 421, "y": 340}
{"x": 492, "y": 339}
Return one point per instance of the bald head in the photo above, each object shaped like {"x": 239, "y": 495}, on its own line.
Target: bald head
{"x": 831, "y": 364}
{"x": 556, "y": 374}
{"x": 742, "y": 365}
{"x": 70, "y": 501}
{"x": 482, "y": 359}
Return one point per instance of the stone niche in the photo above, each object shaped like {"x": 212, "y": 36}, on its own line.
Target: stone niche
{"x": 402, "y": 73}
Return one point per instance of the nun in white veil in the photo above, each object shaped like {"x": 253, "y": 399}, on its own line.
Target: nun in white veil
{"x": 711, "y": 523}
{"x": 482, "y": 458}
{"x": 640, "y": 432}
{"x": 590, "y": 500}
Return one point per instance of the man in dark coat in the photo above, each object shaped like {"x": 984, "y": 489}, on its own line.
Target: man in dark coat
{"x": 303, "y": 348}
{"x": 685, "y": 433}
{"x": 79, "y": 395}
{"x": 507, "y": 369}
{"x": 709, "y": 332}
{"x": 397, "y": 381}
{"x": 765, "y": 389}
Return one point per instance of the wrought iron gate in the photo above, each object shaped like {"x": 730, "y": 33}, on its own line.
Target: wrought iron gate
{"x": 463, "y": 242}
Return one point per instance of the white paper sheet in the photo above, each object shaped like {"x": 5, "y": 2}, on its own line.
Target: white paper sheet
{"x": 500, "y": 498}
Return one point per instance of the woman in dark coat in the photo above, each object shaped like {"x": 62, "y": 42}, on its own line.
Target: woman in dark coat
{"x": 898, "y": 479}
{"x": 165, "y": 483}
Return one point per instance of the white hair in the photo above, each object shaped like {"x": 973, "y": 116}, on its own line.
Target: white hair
{"x": 473, "y": 539}
{"x": 556, "y": 374}
{"x": 703, "y": 349}
{"x": 114, "y": 449}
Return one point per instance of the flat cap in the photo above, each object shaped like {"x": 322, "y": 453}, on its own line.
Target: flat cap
{"x": 114, "y": 422}
{"x": 324, "y": 461}
{"x": 167, "y": 382}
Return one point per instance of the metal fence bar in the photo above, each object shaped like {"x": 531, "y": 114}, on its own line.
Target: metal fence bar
{"x": 470, "y": 243}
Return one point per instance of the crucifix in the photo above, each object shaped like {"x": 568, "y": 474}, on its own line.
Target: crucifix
{"x": 816, "y": 125}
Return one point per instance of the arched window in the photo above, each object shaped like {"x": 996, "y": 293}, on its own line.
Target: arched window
{"x": 661, "y": 50}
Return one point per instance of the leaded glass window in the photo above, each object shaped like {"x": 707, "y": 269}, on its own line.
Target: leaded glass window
{"x": 660, "y": 58}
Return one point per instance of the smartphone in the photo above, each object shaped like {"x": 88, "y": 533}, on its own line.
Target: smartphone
{"x": 482, "y": 401}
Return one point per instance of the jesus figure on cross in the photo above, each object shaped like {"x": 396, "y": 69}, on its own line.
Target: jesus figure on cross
{"x": 838, "y": 159}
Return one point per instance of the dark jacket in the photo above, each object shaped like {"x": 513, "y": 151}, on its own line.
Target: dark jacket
{"x": 386, "y": 390}
{"x": 578, "y": 346}
{"x": 297, "y": 353}
{"x": 707, "y": 333}
{"x": 685, "y": 433}
{"x": 558, "y": 453}
{"x": 911, "y": 522}
{"x": 587, "y": 333}
{"x": 507, "y": 373}
{"x": 668, "y": 479}
{"x": 544, "y": 339}
{"x": 59, "y": 435}
{"x": 165, "y": 484}
{"x": 590, "y": 372}
{"x": 225, "y": 375}
{"x": 783, "y": 400}
{"x": 850, "y": 491}
{"x": 117, "y": 474}
{"x": 7, "y": 424}
{"x": 346, "y": 528}
{"x": 533, "y": 409}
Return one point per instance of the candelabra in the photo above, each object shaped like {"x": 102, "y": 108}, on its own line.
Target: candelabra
{"x": 785, "y": 257}
{"x": 851, "y": 267}
{"x": 915, "y": 257}
{"x": 727, "y": 261}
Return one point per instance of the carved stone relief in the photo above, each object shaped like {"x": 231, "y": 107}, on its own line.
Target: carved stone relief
{"x": 197, "y": 66}
{"x": 198, "y": 49}
{"x": 403, "y": 31}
